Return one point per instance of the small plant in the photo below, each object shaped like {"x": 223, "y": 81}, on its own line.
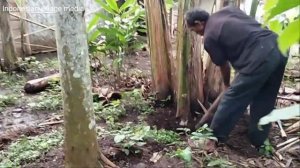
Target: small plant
{"x": 217, "y": 162}
{"x": 37, "y": 67}
{"x": 267, "y": 149}
{"x": 135, "y": 100}
{"x": 185, "y": 155}
{"x": 12, "y": 82}
{"x": 129, "y": 138}
{"x": 203, "y": 133}
{"x": 49, "y": 100}
{"x": 8, "y": 100}
{"x": 164, "y": 136}
{"x": 117, "y": 36}
{"x": 110, "y": 112}
{"x": 29, "y": 148}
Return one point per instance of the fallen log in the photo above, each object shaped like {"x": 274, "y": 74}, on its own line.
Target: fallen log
{"x": 38, "y": 85}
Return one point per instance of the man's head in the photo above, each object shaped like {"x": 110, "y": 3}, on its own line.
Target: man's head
{"x": 196, "y": 20}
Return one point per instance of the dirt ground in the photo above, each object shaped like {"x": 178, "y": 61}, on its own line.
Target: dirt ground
{"x": 21, "y": 120}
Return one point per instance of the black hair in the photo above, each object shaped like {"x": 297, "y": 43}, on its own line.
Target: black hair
{"x": 196, "y": 14}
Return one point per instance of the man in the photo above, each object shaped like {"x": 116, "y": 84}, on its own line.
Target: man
{"x": 231, "y": 36}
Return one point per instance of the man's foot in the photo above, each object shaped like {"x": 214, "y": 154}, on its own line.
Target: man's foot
{"x": 210, "y": 146}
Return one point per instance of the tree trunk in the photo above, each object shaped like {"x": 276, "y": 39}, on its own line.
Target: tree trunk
{"x": 160, "y": 47}
{"x": 254, "y": 8}
{"x": 9, "y": 51}
{"x": 183, "y": 55}
{"x": 25, "y": 49}
{"x": 196, "y": 68}
{"x": 81, "y": 149}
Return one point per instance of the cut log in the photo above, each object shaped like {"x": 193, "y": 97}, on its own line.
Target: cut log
{"x": 38, "y": 85}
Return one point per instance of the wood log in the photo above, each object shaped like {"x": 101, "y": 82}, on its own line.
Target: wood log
{"x": 38, "y": 85}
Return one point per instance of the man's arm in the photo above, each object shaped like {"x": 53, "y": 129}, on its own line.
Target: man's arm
{"x": 225, "y": 71}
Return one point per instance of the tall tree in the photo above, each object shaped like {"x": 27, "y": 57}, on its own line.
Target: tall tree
{"x": 81, "y": 149}
{"x": 159, "y": 46}
{"x": 8, "y": 47}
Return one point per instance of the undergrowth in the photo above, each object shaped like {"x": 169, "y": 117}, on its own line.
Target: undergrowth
{"x": 29, "y": 149}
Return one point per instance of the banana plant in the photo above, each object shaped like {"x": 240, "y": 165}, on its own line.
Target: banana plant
{"x": 288, "y": 35}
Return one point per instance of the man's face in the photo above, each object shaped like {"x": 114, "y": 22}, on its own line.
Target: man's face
{"x": 198, "y": 28}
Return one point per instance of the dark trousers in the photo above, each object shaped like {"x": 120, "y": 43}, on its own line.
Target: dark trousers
{"x": 259, "y": 90}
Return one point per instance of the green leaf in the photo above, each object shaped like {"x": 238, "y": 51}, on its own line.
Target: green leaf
{"x": 119, "y": 138}
{"x": 126, "y": 151}
{"x": 270, "y": 4}
{"x": 281, "y": 114}
{"x": 105, "y": 7}
{"x": 275, "y": 26}
{"x": 113, "y": 5}
{"x": 108, "y": 31}
{"x": 289, "y": 36}
{"x": 281, "y": 6}
{"x": 93, "y": 23}
{"x": 105, "y": 17}
{"x": 130, "y": 11}
{"x": 218, "y": 162}
{"x": 94, "y": 35}
{"x": 185, "y": 154}
{"x": 127, "y": 4}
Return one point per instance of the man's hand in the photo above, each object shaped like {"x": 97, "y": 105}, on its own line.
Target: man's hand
{"x": 225, "y": 71}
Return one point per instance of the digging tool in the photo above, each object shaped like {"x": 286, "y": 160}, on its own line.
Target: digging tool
{"x": 207, "y": 117}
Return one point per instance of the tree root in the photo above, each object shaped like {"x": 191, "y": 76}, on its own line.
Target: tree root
{"x": 107, "y": 163}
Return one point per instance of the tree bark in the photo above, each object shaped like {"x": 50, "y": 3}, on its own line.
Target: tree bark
{"x": 196, "y": 67}
{"x": 9, "y": 51}
{"x": 26, "y": 49}
{"x": 160, "y": 47}
{"x": 183, "y": 56}
{"x": 254, "y": 6}
{"x": 81, "y": 149}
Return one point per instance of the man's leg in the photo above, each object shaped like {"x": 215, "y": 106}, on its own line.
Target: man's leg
{"x": 239, "y": 95}
{"x": 263, "y": 104}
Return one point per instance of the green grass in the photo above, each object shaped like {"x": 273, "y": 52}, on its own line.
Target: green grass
{"x": 50, "y": 100}
{"x": 135, "y": 101}
{"x": 29, "y": 149}
{"x": 11, "y": 82}
{"x": 8, "y": 100}
{"x": 111, "y": 112}
{"x": 165, "y": 136}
